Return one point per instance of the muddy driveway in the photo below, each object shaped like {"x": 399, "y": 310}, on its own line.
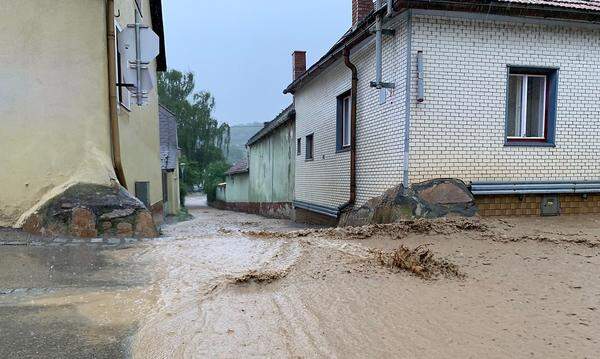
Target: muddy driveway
{"x": 231, "y": 285}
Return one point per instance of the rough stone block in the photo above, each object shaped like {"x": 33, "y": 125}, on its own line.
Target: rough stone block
{"x": 144, "y": 227}
{"x": 83, "y": 223}
{"x": 125, "y": 229}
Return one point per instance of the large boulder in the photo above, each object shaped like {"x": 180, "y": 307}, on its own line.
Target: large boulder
{"x": 431, "y": 199}
{"x": 91, "y": 210}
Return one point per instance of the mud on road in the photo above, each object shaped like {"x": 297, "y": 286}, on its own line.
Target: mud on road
{"x": 232, "y": 285}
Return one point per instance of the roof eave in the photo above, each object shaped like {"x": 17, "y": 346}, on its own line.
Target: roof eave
{"x": 492, "y": 7}
{"x": 236, "y": 172}
{"x": 290, "y": 116}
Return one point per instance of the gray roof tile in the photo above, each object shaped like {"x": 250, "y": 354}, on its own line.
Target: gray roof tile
{"x": 240, "y": 167}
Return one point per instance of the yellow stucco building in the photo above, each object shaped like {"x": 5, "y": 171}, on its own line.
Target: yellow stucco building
{"x": 63, "y": 119}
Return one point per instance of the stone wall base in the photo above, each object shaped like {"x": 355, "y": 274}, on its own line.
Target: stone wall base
{"x": 280, "y": 210}
{"x": 529, "y": 205}
{"x": 91, "y": 210}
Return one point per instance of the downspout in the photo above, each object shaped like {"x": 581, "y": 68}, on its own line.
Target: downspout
{"x": 115, "y": 142}
{"x": 407, "y": 103}
{"x": 353, "y": 106}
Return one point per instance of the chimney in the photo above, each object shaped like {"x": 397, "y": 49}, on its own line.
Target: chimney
{"x": 360, "y": 10}
{"x": 298, "y": 63}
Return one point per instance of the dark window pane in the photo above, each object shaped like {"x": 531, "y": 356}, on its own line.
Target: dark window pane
{"x": 346, "y": 122}
{"x": 309, "y": 147}
{"x": 536, "y": 94}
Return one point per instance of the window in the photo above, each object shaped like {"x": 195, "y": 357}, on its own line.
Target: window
{"x": 299, "y": 147}
{"x": 344, "y": 108}
{"x": 310, "y": 147}
{"x": 123, "y": 94}
{"x": 531, "y": 106}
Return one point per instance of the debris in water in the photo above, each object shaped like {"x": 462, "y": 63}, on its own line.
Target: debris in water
{"x": 395, "y": 230}
{"x": 261, "y": 277}
{"x": 419, "y": 261}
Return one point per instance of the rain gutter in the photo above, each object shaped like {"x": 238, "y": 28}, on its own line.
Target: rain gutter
{"x": 115, "y": 141}
{"x": 326, "y": 211}
{"x": 497, "y": 188}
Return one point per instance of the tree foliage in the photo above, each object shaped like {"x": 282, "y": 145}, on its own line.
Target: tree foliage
{"x": 202, "y": 139}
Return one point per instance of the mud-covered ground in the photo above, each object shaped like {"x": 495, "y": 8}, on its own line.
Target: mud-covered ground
{"x": 232, "y": 285}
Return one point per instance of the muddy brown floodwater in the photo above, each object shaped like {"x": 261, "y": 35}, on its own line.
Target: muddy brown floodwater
{"x": 232, "y": 285}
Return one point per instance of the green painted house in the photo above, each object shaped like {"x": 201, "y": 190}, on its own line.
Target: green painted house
{"x": 263, "y": 182}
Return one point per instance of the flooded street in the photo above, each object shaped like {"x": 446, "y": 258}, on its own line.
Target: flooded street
{"x": 233, "y": 285}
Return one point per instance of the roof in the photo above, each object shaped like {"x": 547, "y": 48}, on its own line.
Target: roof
{"x": 593, "y": 5}
{"x": 286, "y": 115}
{"x": 158, "y": 27}
{"x": 240, "y": 167}
{"x": 169, "y": 149}
{"x": 575, "y": 10}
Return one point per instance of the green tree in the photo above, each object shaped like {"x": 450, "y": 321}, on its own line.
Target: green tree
{"x": 213, "y": 175}
{"x": 202, "y": 139}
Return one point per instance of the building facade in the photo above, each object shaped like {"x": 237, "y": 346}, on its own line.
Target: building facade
{"x": 56, "y": 105}
{"x": 504, "y": 100}
{"x": 263, "y": 182}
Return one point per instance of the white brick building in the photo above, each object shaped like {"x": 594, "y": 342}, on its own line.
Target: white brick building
{"x": 507, "y": 100}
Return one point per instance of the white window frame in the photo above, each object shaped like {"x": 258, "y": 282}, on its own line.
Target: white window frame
{"x": 346, "y": 121}
{"x": 523, "y": 125}
{"x": 123, "y": 94}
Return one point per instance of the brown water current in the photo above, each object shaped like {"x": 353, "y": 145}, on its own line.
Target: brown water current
{"x": 225, "y": 293}
{"x": 233, "y": 285}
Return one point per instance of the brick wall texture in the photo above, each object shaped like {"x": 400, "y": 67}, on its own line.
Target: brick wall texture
{"x": 380, "y": 128}
{"x": 511, "y": 205}
{"x": 458, "y": 131}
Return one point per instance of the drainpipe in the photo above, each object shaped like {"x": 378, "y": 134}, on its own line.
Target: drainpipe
{"x": 353, "y": 105}
{"x": 112, "y": 93}
{"x": 378, "y": 47}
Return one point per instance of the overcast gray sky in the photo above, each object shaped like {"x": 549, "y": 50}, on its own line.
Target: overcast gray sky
{"x": 240, "y": 50}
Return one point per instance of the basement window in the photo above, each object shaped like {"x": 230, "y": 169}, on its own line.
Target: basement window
{"x": 343, "y": 128}
{"x": 310, "y": 147}
{"x": 299, "y": 147}
{"x": 531, "y": 106}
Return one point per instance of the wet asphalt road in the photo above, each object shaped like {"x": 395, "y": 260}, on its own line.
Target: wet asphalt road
{"x": 48, "y": 288}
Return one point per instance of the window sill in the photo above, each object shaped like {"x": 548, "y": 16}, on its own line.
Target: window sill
{"x": 518, "y": 143}
{"x": 309, "y": 159}
{"x": 343, "y": 149}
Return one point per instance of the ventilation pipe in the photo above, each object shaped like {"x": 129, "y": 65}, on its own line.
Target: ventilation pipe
{"x": 379, "y": 32}
{"x": 115, "y": 141}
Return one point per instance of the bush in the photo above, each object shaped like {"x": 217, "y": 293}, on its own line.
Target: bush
{"x": 213, "y": 175}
